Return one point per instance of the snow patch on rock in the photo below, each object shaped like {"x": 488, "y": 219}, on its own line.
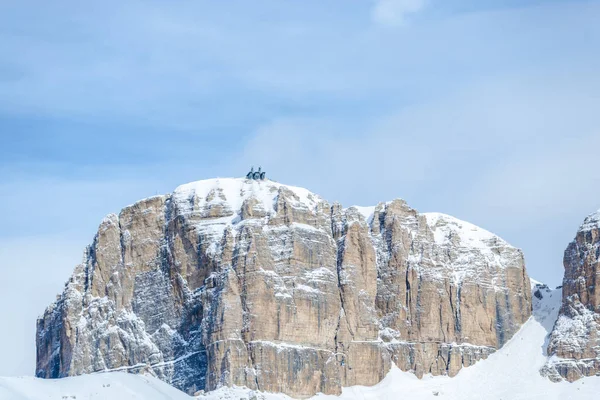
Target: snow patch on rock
{"x": 446, "y": 227}
{"x": 591, "y": 222}
{"x": 366, "y": 212}
{"x": 232, "y": 192}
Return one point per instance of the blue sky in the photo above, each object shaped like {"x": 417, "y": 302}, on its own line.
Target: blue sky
{"x": 486, "y": 110}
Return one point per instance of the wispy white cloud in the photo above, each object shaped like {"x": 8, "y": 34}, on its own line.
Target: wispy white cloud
{"x": 195, "y": 64}
{"x": 396, "y": 12}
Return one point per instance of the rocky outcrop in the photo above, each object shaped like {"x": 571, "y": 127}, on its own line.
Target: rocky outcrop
{"x": 257, "y": 284}
{"x": 574, "y": 344}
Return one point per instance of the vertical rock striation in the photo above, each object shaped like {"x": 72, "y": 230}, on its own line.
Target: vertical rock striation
{"x": 574, "y": 345}
{"x": 258, "y": 284}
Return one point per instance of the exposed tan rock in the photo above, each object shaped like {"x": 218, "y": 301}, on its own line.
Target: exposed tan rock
{"x": 575, "y": 340}
{"x": 257, "y": 284}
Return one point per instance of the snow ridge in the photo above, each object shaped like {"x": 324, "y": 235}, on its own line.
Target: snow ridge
{"x": 445, "y": 227}
{"x": 232, "y": 192}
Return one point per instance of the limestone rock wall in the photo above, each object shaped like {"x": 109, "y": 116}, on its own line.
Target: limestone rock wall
{"x": 257, "y": 284}
{"x": 574, "y": 344}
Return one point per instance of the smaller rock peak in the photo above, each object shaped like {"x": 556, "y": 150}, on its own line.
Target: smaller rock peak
{"x": 591, "y": 222}
{"x": 366, "y": 212}
{"x": 110, "y": 219}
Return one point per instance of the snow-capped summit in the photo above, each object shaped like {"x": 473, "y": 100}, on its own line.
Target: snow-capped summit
{"x": 591, "y": 222}
{"x": 445, "y": 227}
{"x": 254, "y": 283}
{"x": 232, "y": 192}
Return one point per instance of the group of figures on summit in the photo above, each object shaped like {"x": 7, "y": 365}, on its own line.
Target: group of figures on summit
{"x": 256, "y": 175}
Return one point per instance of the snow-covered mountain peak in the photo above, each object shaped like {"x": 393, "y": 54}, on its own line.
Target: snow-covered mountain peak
{"x": 232, "y": 192}
{"x": 446, "y": 227}
{"x": 591, "y": 222}
{"x": 175, "y": 285}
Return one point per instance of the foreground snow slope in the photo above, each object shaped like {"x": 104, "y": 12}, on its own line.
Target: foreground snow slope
{"x": 112, "y": 386}
{"x": 512, "y": 373}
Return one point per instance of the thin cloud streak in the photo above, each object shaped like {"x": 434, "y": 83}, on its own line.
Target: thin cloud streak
{"x": 394, "y": 13}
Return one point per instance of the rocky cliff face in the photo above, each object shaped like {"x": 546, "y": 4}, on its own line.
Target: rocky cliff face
{"x": 574, "y": 345}
{"x": 257, "y": 284}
